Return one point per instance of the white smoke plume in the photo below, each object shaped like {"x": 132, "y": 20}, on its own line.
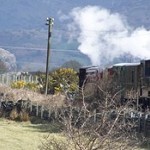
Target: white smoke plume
{"x": 104, "y": 35}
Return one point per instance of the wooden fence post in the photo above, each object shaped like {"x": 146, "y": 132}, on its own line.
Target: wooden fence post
{"x": 145, "y": 119}
{"x": 31, "y": 106}
{"x": 42, "y": 109}
{"x": 36, "y": 79}
{"x": 37, "y": 109}
{"x": 49, "y": 113}
{"x": 2, "y": 79}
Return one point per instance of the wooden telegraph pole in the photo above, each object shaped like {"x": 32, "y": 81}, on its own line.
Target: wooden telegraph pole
{"x": 50, "y": 22}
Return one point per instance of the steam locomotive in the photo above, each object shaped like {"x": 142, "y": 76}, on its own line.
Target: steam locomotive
{"x": 133, "y": 77}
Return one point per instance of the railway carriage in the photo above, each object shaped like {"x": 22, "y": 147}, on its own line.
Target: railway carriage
{"x": 132, "y": 78}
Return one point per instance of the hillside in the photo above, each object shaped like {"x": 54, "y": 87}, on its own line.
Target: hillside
{"x": 23, "y": 14}
{"x": 23, "y": 31}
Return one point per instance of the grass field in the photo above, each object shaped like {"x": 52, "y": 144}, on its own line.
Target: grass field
{"x": 23, "y": 135}
{"x": 27, "y": 136}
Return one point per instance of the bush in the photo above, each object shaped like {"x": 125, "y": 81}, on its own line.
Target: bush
{"x": 26, "y": 85}
{"x": 31, "y": 86}
{"x": 14, "y": 114}
{"x": 18, "y": 84}
{"x": 55, "y": 143}
{"x": 22, "y": 116}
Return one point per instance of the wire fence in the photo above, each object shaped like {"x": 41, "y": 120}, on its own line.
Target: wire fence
{"x": 49, "y": 113}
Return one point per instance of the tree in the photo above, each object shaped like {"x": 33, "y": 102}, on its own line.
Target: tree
{"x": 104, "y": 126}
{"x": 75, "y": 65}
{"x": 63, "y": 80}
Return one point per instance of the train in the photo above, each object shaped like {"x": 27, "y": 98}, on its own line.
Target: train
{"x": 132, "y": 78}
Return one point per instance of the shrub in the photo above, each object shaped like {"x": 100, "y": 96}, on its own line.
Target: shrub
{"x": 31, "y": 86}
{"x": 26, "y": 85}
{"x": 18, "y": 84}
{"x": 55, "y": 143}
{"x": 22, "y": 116}
{"x": 14, "y": 114}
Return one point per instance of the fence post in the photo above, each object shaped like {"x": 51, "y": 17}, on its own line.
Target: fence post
{"x": 36, "y": 79}
{"x": 15, "y": 77}
{"x": 3, "y": 79}
{"x": 30, "y": 106}
{"x": 49, "y": 113}
{"x": 145, "y": 120}
{"x": 37, "y": 109}
{"x": 24, "y": 79}
{"x": 42, "y": 109}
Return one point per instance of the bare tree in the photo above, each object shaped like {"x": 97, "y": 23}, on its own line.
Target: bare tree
{"x": 101, "y": 123}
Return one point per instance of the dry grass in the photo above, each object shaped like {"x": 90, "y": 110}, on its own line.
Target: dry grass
{"x": 16, "y": 94}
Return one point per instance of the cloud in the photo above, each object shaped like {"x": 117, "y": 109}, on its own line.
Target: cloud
{"x": 104, "y": 36}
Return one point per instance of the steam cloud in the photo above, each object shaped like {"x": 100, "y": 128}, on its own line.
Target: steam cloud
{"x": 104, "y": 35}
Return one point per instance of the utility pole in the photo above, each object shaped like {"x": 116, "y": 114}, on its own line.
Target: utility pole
{"x": 50, "y": 22}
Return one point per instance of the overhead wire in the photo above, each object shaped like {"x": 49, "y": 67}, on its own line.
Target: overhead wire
{"x": 40, "y": 49}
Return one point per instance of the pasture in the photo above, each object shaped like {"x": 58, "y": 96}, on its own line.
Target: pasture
{"x": 24, "y": 135}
